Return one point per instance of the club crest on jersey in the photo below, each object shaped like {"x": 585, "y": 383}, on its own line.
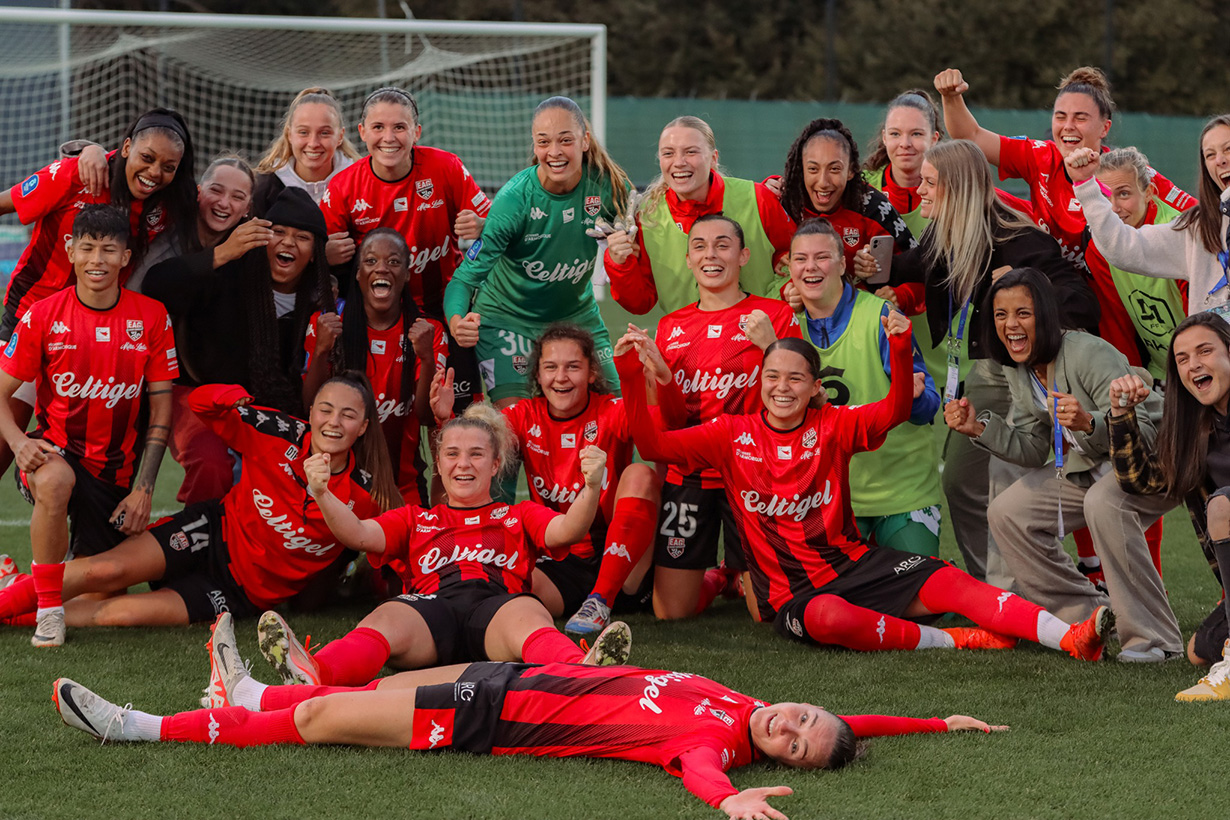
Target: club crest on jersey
{"x": 102, "y": 334}
{"x": 850, "y": 236}
{"x": 593, "y": 204}
{"x": 568, "y": 440}
{"x": 715, "y": 331}
{"x": 424, "y": 188}
{"x": 674, "y": 547}
{"x": 499, "y": 512}
{"x": 591, "y": 431}
{"x": 743, "y": 323}
{"x": 29, "y": 185}
{"x": 135, "y": 328}
{"x": 401, "y": 204}
{"x": 809, "y": 438}
{"x": 179, "y": 541}
{"x": 785, "y": 451}
{"x": 520, "y": 364}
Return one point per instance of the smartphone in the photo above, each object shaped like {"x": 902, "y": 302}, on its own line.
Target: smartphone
{"x": 881, "y": 247}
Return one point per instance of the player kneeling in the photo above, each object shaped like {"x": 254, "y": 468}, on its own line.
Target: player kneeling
{"x": 692, "y": 727}
{"x": 89, "y": 350}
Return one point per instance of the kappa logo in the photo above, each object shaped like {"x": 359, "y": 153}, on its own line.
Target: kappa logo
{"x": 401, "y": 204}
{"x": 726, "y": 757}
{"x": 699, "y": 709}
{"x": 135, "y": 328}
{"x": 619, "y": 550}
{"x": 535, "y": 431}
{"x": 326, "y": 200}
{"x": 676, "y": 333}
{"x": 59, "y": 327}
{"x": 715, "y": 331}
{"x": 102, "y": 334}
{"x": 360, "y": 206}
{"x": 851, "y": 236}
{"x": 424, "y": 188}
{"x": 378, "y": 347}
{"x": 746, "y": 440}
{"x": 785, "y": 451}
{"x": 499, "y": 512}
{"x": 1003, "y": 599}
{"x": 54, "y": 168}
{"x": 881, "y": 628}
{"x": 437, "y": 734}
{"x": 214, "y": 725}
{"x": 593, "y": 204}
{"x": 568, "y": 440}
{"x": 537, "y": 213}
{"x": 591, "y": 431}
{"x": 809, "y": 438}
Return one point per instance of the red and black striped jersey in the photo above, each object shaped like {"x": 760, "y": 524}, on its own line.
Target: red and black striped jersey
{"x": 715, "y": 366}
{"x": 275, "y": 533}
{"x": 422, "y": 207}
{"x": 789, "y": 490}
{"x": 551, "y": 447}
{"x": 90, "y": 368}
{"x": 496, "y": 543}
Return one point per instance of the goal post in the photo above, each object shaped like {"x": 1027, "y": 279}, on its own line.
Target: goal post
{"x": 68, "y": 73}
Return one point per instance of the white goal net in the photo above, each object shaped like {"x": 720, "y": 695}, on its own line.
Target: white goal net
{"x": 82, "y": 74}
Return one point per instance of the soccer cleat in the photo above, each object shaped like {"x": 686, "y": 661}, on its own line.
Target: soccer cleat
{"x": 49, "y": 629}
{"x": 1086, "y": 639}
{"x": 8, "y": 571}
{"x": 590, "y": 618}
{"x": 226, "y": 667}
{"x": 973, "y": 637}
{"x": 1213, "y": 686}
{"x": 281, "y": 648}
{"x": 82, "y": 709}
{"x": 612, "y": 647}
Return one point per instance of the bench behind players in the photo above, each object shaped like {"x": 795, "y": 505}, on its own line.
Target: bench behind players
{"x": 89, "y": 349}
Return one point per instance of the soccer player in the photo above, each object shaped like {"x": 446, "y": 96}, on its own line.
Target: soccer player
{"x": 533, "y": 263}
{"x": 1081, "y": 118}
{"x": 242, "y": 320}
{"x": 649, "y": 268}
{"x": 466, "y": 566}
{"x": 309, "y": 150}
{"x": 785, "y": 470}
{"x": 1193, "y": 247}
{"x": 425, "y": 194}
{"x": 1187, "y": 462}
{"x": 399, "y": 349}
{"x": 263, "y": 541}
{"x": 1059, "y": 382}
{"x": 694, "y": 728}
{"x": 572, "y": 408}
{"x": 705, "y": 361}
{"x": 895, "y": 490}
{"x": 89, "y": 350}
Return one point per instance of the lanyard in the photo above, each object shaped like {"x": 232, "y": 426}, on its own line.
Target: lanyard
{"x": 954, "y": 350}
{"x": 1057, "y": 440}
{"x": 1224, "y": 258}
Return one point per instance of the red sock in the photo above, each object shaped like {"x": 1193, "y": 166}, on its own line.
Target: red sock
{"x": 832, "y": 620}
{"x": 353, "y": 660}
{"x": 951, "y": 590}
{"x": 716, "y": 579}
{"x": 630, "y": 534}
{"x": 1153, "y": 537}
{"x": 284, "y": 697}
{"x": 18, "y": 598}
{"x": 232, "y": 726}
{"x": 48, "y": 584}
{"x": 25, "y": 619}
{"x": 1084, "y": 543}
{"x": 549, "y": 645}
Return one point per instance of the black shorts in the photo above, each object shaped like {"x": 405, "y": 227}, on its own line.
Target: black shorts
{"x": 199, "y": 565}
{"x": 884, "y": 580}
{"x": 465, "y": 714}
{"x": 574, "y": 577}
{"x": 692, "y": 518}
{"x": 458, "y": 616}
{"x": 89, "y": 509}
{"x": 1211, "y": 635}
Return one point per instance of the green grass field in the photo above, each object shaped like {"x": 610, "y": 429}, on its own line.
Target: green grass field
{"x": 1087, "y": 740}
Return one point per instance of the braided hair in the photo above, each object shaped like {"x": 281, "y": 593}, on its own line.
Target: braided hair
{"x": 795, "y": 200}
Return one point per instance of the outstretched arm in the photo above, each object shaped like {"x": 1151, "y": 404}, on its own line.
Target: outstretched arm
{"x": 958, "y": 120}
{"x": 703, "y": 776}
{"x": 350, "y": 530}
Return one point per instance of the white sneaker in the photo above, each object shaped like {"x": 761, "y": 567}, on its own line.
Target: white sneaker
{"x": 590, "y": 618}
{"x": 612, "y": 647}
{"x": 226, "y": 667}
{"x": 1213, "y": 686}
{"x": 49, "y": 629}
{"x": 282, "y": 649}
{"x": 82, "y": 709}
{"x": 8, "y": 571}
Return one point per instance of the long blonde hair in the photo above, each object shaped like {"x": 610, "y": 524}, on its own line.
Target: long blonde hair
{"x": 279, "y": 153}
{"x": 655, "y": 194}
{"x": 595, "y": 156}
{"x": 968, "y": 219}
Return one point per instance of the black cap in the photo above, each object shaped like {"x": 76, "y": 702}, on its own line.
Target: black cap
{"x": 294, "y": 208}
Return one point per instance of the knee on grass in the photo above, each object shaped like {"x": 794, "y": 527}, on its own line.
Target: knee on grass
{"x": 1218, "y": 513}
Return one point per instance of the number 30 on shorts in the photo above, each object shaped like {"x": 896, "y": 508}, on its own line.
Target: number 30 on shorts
{"x": 678, "y": 520}
{"x": 514, "y": 343}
